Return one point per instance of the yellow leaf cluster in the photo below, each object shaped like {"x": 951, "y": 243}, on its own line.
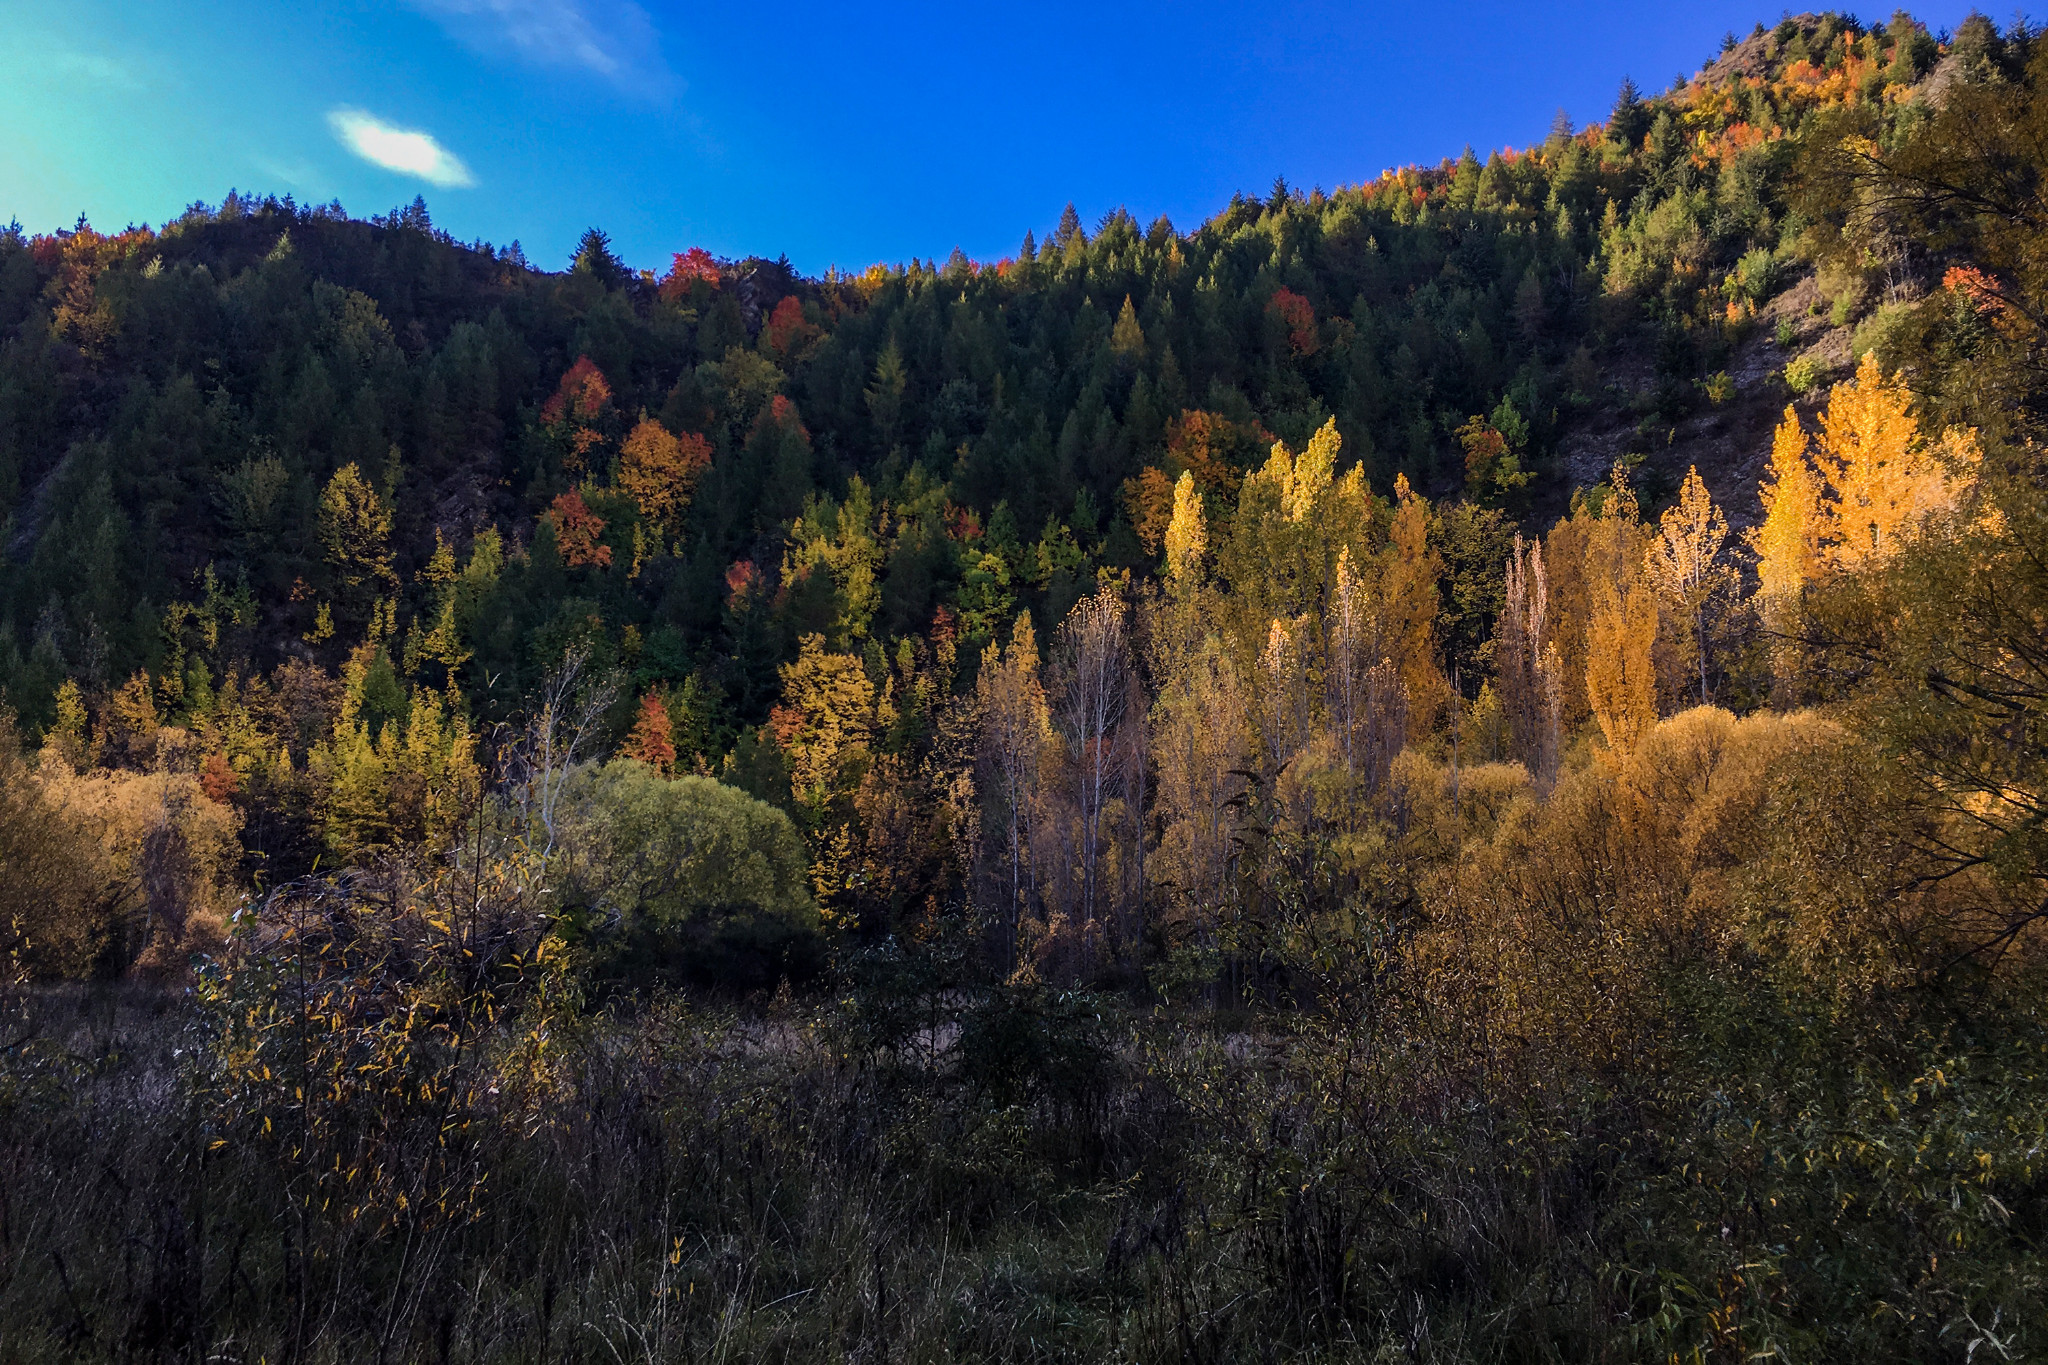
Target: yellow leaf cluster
{"x": 1852, "y": 498}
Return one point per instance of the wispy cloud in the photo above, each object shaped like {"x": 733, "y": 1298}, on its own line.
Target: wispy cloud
{"x": 99, "y": 69}
{"x": 404, "y": 150}
{"x": 613, "y": 39}
{"x": 33, "y": 55}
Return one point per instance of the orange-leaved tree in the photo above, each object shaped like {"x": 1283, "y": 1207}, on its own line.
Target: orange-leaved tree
{"x": 652, "y": 740}
{"x": 787, "y": 329}
{"x": 1298, "y": 316}
{"x": 577, "y": 532}
{"x": 1214, "y": 449}
{"x": 578, "y": 416}
{"x": 1409, "y": 603}
{"x": 1149, "y": 498}
{"x": 659, "y": 470}
{"x": 686, "y": 269}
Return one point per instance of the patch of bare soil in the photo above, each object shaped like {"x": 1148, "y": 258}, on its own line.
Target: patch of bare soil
{"x": 1729, "y": 443}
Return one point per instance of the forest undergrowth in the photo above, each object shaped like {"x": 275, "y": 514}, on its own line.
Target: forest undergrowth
{"x": 815, "y": 1180}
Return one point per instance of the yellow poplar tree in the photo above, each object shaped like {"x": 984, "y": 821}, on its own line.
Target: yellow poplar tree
{"x": 1869, "y": 456}
{"x": 1621, "y": 672}
{"x": 1200, "y": 745}
{"x": 1408, "y": 605}
{"x": 1787, "y": 544}
{"x": 1187, "y": 537}
{"x": 1621, "y": 629}
{"x": 66, "y": 737}
{"x": 1015, "y": 728}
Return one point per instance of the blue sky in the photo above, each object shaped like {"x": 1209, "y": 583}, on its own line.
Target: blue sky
{"x": 835, "y": 134}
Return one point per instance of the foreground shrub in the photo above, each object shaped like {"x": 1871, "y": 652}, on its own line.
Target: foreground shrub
{"x": 109, "y": 870}
{"x": 683, "y": 881}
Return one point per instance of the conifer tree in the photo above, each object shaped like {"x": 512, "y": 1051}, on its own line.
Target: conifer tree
{"x": 1628, "y": 121}
{"x": 1127, "y": 338}
{"x": 355, "y": 532}
{"x": 885, "y": 394}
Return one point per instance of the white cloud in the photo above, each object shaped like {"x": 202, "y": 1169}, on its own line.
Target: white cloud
{"x": 399, "y": 149}
{"x": 610, "y": 38}
{"x": 94, "y": 67}
{"x": 45, "y": 58}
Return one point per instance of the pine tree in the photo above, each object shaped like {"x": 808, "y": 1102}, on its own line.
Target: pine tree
{"x": 885, "y": 395}
{"x": 1127, "y": 338}
{"x": 1630, "y": 120}
{"x": 1068, "y": 235}
{"x": 594, "y": 257}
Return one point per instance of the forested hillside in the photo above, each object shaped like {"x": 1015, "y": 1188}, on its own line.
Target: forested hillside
{"x": 1448, "y": 766}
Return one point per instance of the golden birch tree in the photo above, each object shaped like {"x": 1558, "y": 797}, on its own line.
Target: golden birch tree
{"x": 1014, "y": 730}
{"x": 1621, "y": 628}
{"x": 1686, "y": 568}
{"x": 1527, "y": 666}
